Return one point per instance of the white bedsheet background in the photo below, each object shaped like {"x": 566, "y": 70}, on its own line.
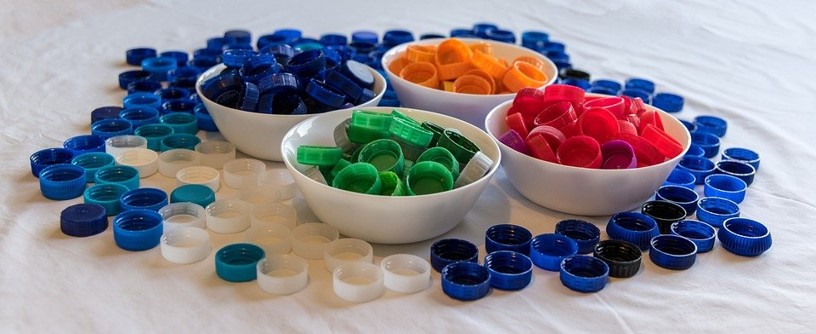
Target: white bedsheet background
{"x": 749, "y": 62}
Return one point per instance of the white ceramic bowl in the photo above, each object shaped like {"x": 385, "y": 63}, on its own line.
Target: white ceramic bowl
{"x": 260, "y": 135}
{"x": 468, "y": 107}
{"x": 583, "y": 191}
{"x": 384, "y": 219}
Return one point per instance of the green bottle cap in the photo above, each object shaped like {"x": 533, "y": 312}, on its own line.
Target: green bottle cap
{"x": 428, "y": 177}
{"x": 458, "y": 145}
{"x": 410, "y": 133}
{"x": 370, "y": 119}
{"x": 442, "y": 156}
{"x": 384, "y": 154}
{"x": 330, "y": 172}
{"x": 392, "y": 184}
{"x": 359, "y": 177}
{"x": 363, "y": 135}
{"x": 435, "y": 129}
{"x": 319, "y": 155}
{"x": 396, "y": 114}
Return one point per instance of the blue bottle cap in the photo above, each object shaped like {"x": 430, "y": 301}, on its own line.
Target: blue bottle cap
{"x": 361, "y": 48}
{"x": 92, "y": 162}
{"x": 181, "y": 57}
{"x": 240, "y": 36}
{"x": 447, "y": 251}
{"x": 509, "y": 270}
{"x": 709, "y": 142}
{"x": 266, "y": 40}
{"x": 325, "y": 95}
{"x": 62, "y": 181}
{"x": 143, "y": 86}
{"x": 179, "y": 140}
{"x": 634, "y": 227}
{"x": 291, "y": 33}
{"x": 136, "y": 55}
{"x": 716, "y": 210}
{"x": 396, "y": 37}
{"x": 462, "y": 32}
{"x": 282, "y": 104}
{"x": 159, "y": 66}
{"x": 580, "y": 83}
{"x": 725, "y": 186}
{"x": 106, "y": 195}
{"x": 745, "y": 237}
{"x": 742, "y": 170}
{"x": 431, "y": 35}
{"x": 180, "y": 73}
{"x": 681, "y": 177}
{"x": 664, "y": 213}
{"x": 639, "y": 83}
{"x": 584, "y": 273}
{"x": 125, "y": 175}
{"x": 205, "y": 120}
{"x": 637, "y": 93}
{"x": 84, "y": 144}
{"x": 307, "y": 64}
{"x": 203, "y": 63}
{"x": 306, "y": 44}
{"x": 359, "y": 73}
{"x": 333, "y": 39}
{"x": 557, "y": 55}
{"x": 137, "y": 230}
{"x": 282, "y": 52}
{"x": 136, "y": 100}
{"x": 691, "y": 127}
{"x": 154, "y": 133}
{"x": 673, "y": 252}
{"x": 50, "y": 156}
{"x": 111, "y": 127}
{"x": 695, "y": 150}
{"x": 139, "y": 116}
{"x": 259, "y": 66}
{"x": 278, "y": 83}
{"x": 365, "y": 36}
{"x": 105, "y": 112}
{"x": 223, "y": 89}
{"x": 180, "y": 122}
{"x": 193, "y": 193}
{"x": 171, "y": 94}
{"x": 480, "y": 29}
{"x": 585, "y": 234}
{"x": 602, "y": 90}
{"x": 612, "y": 85}
{"x": 680, "y": 195}
{"x": 215, "y": 43}
{"x": 508, "y": 237}
{"x": 465, "y": 281}
{"x": 235, "y": 58}
{"x": 185, "y": 106}
{"x": 237, "y": 262}
{"x": 711, "y": 124}
{"x": 560, "y": 65}
{"x": 126, "y": 77}
{"x": 502, "y": 35}
{"x": 741, "y": 154}
{"x": 698, "y": 232}
{"x": 700, "y": 167}
{"x": 622, "y": 257}
{"x": 213, "y": 55}
{"x": 547, "y": 250}
{"x": 83, "y": 220}
{"x": 534, "y": 40}
{"x": 668, "y": 102}
{"x": 143, "y": 198}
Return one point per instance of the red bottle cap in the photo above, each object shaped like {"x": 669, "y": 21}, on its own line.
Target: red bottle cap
{"x": 580, "y": 151}
{"x": 626, "y": 126}
{"x": 645, "y": 152}
{"x": 557, "y": 115}
{"x": 516, "y": 122}
{"x": 540, "y": 148}
{"x": 637, "y": 106}
{"x": 565, "y": 93}
{"x": 528, "y": 102}
{"x": 598, "y": 123}
{"x": 650, "y": 117}
{"x": 553, "y": 136}
{"x": 613, "y": 104}
{"x": 664, "y": 143}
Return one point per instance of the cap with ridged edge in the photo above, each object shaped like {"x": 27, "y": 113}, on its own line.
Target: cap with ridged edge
{"x": 107, "y": 195}
{"x": 137, "y": 230}
{"x": 237, "y": 262}
{"x": 62, "y": 181}
{"x": 83, "y": 220}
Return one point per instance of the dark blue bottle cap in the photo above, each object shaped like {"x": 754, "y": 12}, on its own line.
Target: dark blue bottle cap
{"x": 333, "y": 39}
{"x": 608, "y": 83}
{"x": 637, "y": 93}
{"x": 361, "y": 48}
{"x": 282, "y": 52}
{"x": 480, "y": 29}
{"x": 509, "y": 270}
{"x": 359, "y": 73}
{"x": 136, "y": 100}
{"x": 680, "y": 195}
{"x": 725, "y": 186}
{"x": 558, "y": 56}
{"x": 180, "y": 122}
{"x": 502, "y": 35}
{"x": 716, "y": 210}
{"x": 213, "y": 55}
{"x": 664, "y": 213}
{"x": 447, "y": 251}
{"x": 639, "y": 83}
{"x": 691, "y": 127}
{"x": 709, "y": 142}
{"x": 106, "y": 195}
{"x": 325, "y": 95}
{"x": 106, "y": 112}
{"x": 711, "y": 124}
{"x": 741, "y": 154}
{"x": 534, "y": 40}
{"x": 282, "y": 104}
{"x": 126, "y": 77}
{"x": 259, "y": 66}
{"x": 602, "y": 90}
{"x": 248, "y": 98}
{"x": 745, "y": 237}
{"x": 178, "y": 106}
{"x": 508, "y": 237}
{"x": 465, "y": 281}
{"x": 462, "y": 33}
{"x": 560, "y": 65}
{"x": 698, "y": 232}
{"x": 739, "y": 169}
{"x": 215, "y": 43}
{"x": 681, "y": 177}
{"x": 343, "y": 84}
{"x": 236, "y": 58}
{"x": 668, "y": 102}
{"x": 277, "y": 83}
{"x": 179, "y": 140}
{"x": 154, "y": 134}
{"x": 239, "y": 36}
{"x": 138, "y": 117}
{"x": 430, "y": 35}
{"x": 137, "y": 230}
{"x": 695, "y": 150}
{"x": 62, "y": 181}
{"x": 237, "y": 262}
{"x": 673, "y": 252}
{"x": 205, "y": 120}
{"x": 623, "y": 258}
{"x": 581, "y": 83}
{"x": 700, "y": 167}
{"x": 307, "y": 64}
{"x": 84, "y": 144}
{"x": 633, "y": 227}
{"x": 365, "y": 36}
{"x": 193, "y": 193}
{"x": 223, "y": 89}
{"x": 203, "y": 63}
{"x": 143, "y": 198}
{"x": 136, "y": 55}
{"x": 143, "y": 86}
{"x": 389, "y": 103}
{"x": 181, "y": 57}
{"x": 170, "y": 94}
{"x": 584, "y": 273}
{"x": 159, "y": 66}
{"x": 125, "y": 175}
{"x": 110, "y": 127}
{"x": 366, "y": 96}
{"x": 194, "y": 97}
{"x": 291, "y": 33}
{"x": 83, "y": 220}
{"x": 265, "y": 40}
{"x": 554, "y": 46}
{"x": 547, "y": 250}
{"x": 396, "y": 37}
{"x": 92, "y": 162}
{"x": 585, "y": 234}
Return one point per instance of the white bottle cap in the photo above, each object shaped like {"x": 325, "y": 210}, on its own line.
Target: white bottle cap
{"x": 119, "y": 144}
{"x": 172, "y": 161}
{"x": 309, "y": 239}
{"x": 146, "y": 161}
{"x": 474, "y": 170}
{"x": 243, "y": 173}
{"x": 282, "y": 274}
{"x": 260, "y": 194}
{"x": 183, "y": 214}
{"x": 228, "y": 216}
{"x": 406, "y": 273}
{"x": 277, "y": 213}
{"x": 273, "y": 238}
{"x": 185, "y": 245}
{"x": 214, "y": 153}
{"x": 358, "y": 282}
{"x": 199, "y": 175}
{"x": 346, "y": 250}
{"x": 282, "y": 179}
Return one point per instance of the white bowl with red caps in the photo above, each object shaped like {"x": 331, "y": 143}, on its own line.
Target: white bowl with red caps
{"x": 581, "y": 186}
{"x": 471, "y": 108}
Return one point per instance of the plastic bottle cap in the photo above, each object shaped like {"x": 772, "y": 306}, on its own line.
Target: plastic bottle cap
{"x": 181, "y": 122}
{"x": 199, "y": 175}
{"x": 540, "y": 148}
{"x": 584, "y": 273}
{"x": 273, "y": 238}
{"x": 62, "y": 181}
{"x": 709, "y": 142}
{"x": 92, "y": 162}
{"x": 428, "y": 177}
{"x": 509, "y": 270}
{"x": 580, "y": 151}
{"x": 447, "y": 251}
{"x": 392, "y": 184}
{"x": 472, "y": 84}
{"x": 745, "y": 237}
{"x": 634, "y": 227}
{"x": 193, "y": 193}
{"x": 185, "y": 245}
{"x": 179, "y": 140}
{"x": 243, "y": 173}
{"x": 508, "y": 237}
{"x": 281, "y": 179}
{"x": 106, "y": 112}
{"x": 598, "y": 123}
{"x": 117, "y": 145}
{"x": 673, "y": 252}
{"x": 172, "y": 161}
{"x": 725, "y": 186}
{"x": 238, "y": 262}
{"x": 153, "y": 133}
{"x": 310, "y": 239}
{"x": 465, "y": 281}
{"x": 358, "y": 72}
{"x": 645, "y": 152}
{"x": 105, "y": 195}
{"x": 143, "y": 198}
{"x": 423, "y": 74}
{"x": 136, "y": 55}
{"x": 742, "y": 154}
{"x": 664, "y": 213}
{"x": 282, "y": 274}
{"x": 143, "y": 159}
{"x": 489, "y": 64}
{"x": 460, "y": 146}
{"x": 347, "y": 250}
{"x": 137, "y": 230}
{"x": 274, "y": 213}
{"x": 522, "y": 74}
{"x": 512, "y": 139}
{"x": 228, "y": 216}
{"x": 319, "y": 155}
{"x": 442, "y": 156}
{"x": 668, "y": 102}
{"x": 622, "y": 257}
{"x": 711, "y": 124}
{"x": 124, "y": 175}
{"x": 682, "y": 178}
{"x": 140, "y": 116}
{"x": 184, "y": 214}
{"x": 84, "y": 144}
{"x": 698, "y": 166}
{"x": 559, "y": 115}
{"x": 107, "y": 128}
{"x": 214, "y": 153}
{"x": 83, "y": 220}
{"x": 618, "y": 154}
{"x": 358, "y": 282}
{"x": 663, "y": 142}
{"x": 614, "y": 105}
{"x": 411, "y": 133}
{"x": 716, "y": 210}
{"x": 585, "y": 234}
{"x": 698, "y": 232}
{"x": 406, "y": 273}
{"x": 384, "y": 155}
{"x": 680, "y": 195}
{"x": 738, "y": 169}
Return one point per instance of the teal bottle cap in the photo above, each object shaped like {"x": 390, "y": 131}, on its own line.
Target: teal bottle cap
{"x": 107, "y": 195}
{"x": 359, "y": 177}
{"x": 193, "y": 193}
{"x": 428, "y": 177}
{"x": 384, "y": 154}
{"x": 92, "y": 162}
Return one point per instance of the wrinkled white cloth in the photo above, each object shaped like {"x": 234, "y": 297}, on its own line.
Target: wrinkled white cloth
{"x": 749, "y": 62}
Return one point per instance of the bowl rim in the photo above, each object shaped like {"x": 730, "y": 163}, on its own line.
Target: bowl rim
{"x": 389, "y": 56}
{"x": 493, "y": 168}
{"x": 502, "y": 108}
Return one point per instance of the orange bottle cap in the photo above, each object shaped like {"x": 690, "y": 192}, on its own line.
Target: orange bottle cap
{"x": 471, "y": 84}
{"x": 523, "y": 74}
{"x": 420, "y": 53}
{"x": 423, "y": 74}
{"x": 397, "y": 64}
{"x": 489, "y": 64}
{"x": 486, "y": 76}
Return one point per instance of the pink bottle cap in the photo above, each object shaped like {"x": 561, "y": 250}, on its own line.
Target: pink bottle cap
{"x": 540, "y": 148}
{"x": 613, "y": 104}
{"x": 580, "y": 151}
{"x": 618, "y": 154}
{"x": 553, "y": 136}
{"x": 665, "y": 144}
{"x": 598, "y": 123}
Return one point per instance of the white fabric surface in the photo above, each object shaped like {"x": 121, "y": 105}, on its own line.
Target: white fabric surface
{"x": 749, "y": 62}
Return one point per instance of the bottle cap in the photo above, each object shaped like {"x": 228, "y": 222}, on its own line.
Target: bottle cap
{"x": 664, "y": 213}
{"x": 117, "y": 145}
{"x": 83, "y": 220}
{"x": 742, "y": 154}
{"x": 698, "y": 166}
{"x": 143, "y": 198}
{"x": 410, "y": 132}
{"x": 698, "y": 232}
{"x": 645, "y": 151}
{"x": 183, "y": 214}
{"x": 680, "y": 195}
{"x": 137, "y": 230}
{"x": 744, "y": 237}
{"x": 310, "y": 239}
{"x": 358, "y": 282}
{"x": 193, "y": 193}
{"x": 423, "y": 74}
{"x": 612, "y": 104}
{"x": 639, "y": 83}
{"x": 136, "y": 55}
{"x": 406, "y": 273}
{"x": 508, "y": 237}
{"x": 92, "y": 162}
{"x": 681, "y": 177}
{"x": 736, "y": 168}
{"x": 123, "y": 175}
{"x": 598, "y": 123}
{"x": 202, "y": 175}
{"x": 238, "y": 262}
{"x": 428, "y": 177}
{"x": 365, "y": 36}
{"x": 144, "y": 160}
{"x": 243, "y": 173}
{"x": 443, "y": 156}
{"x": 172, "y": 161}
{"x": 105, "y": 195}
{"x": 709, "y": 142}
{"x": 518, "y": 124}
{"x": 140, "y": 116}
{"x": 159, "y": 66}
{"x": 509, "y": 270}
{"x": 282, "y": 274}
{"x": 522, "y": 74}
{"x": 618, "y": 154}
{"x": 663, "y": 142}
{"x": 271, "y": 212}
{"x": 392, "y": 185}
{"x": 179, "y": 140}
{"x": 47, "y": 157}
{"x": 347, "y": 250}
{"x": 215, "y": 153}
{"x": 397, "y": 36}
{"x": 228, "y": 216}
{"x": 447, "y": 251}
{"x": 580, "y": 151}
{"x": 623, "y": 258}
{"x": 384, "y": 155}
{"x": 273, "y": 238}
{"x": 711, "y": 124}
{"x": 460, "y": 146}
{"x": 584, "y": 273}
{"x": 153, "y": 133}
{"x": 84, "y": 144}
{"x": 184, "y": 245}
{"x": 472, "y": 84}
{"x": 281, "y": 179}
{"x": 716, "y": 210}
{"x": 725, "y": 186}
{"x": 559, "y": 115}
{"x": 107, "y": 128}
{"x": 634, "y": 227}
{"x": 325, "y": 95}
{"x": 181, "y": 122}
{"x": 673, "y": 252}
{"x": 489, "y": 64}
{"x": 668, "y": 102}
{"x": 452, "y": 59}
{"x": 547, "y": 250}
{"x": 437, "y": 132}
{"x": 512, "y": 139}
{"x": 62, "y": 181}
{"x": 465, "y": 281}
{"x": 585, "y": 234}
{"x": 236, "y": 58}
